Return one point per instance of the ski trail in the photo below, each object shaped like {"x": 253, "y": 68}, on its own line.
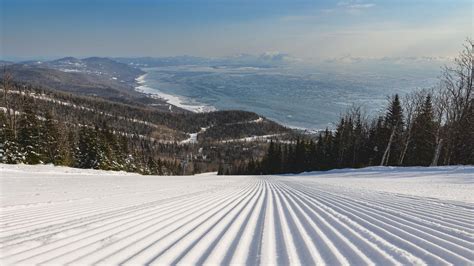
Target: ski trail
{"x": 428, "y": 251}
{"x": 227, "y": 220}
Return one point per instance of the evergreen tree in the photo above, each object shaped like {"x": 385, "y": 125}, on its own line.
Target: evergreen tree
{"x": 29, "y": 136}
{"x": 66, "y": 145}
{"x": 320, "y": 158}
{"x": 300, "y": 156}
{"x": 376, "y": 141}
{"x": 394, "y": 115}
{"x": 338, "y": 144}
{"x": 251, "y": 167}
{"x": 348, "y": 141}
{"x": 107, "y": 147}
{"x": 463, "y": 142}
{"x": 421, "y": 150}
{"x": 272, "y": 161}
{"x": 10, "y": 150}
{"x": 153, "y": 168}
{"x": 311, "y": 161}
{"x": 329, "y": 155}
{"x": 49, "y": 141}
{"x": 290, "y": 160}
{"x": 86, "y": 154}
{"x": 358, "y": 151}
{"x": 220, "y": 171}
{"x": 393, "y": 133}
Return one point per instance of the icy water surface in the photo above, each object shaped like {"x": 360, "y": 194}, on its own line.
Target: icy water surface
{"x": 295, "y": 97}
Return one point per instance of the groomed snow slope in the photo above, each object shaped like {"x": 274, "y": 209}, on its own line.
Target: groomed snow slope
{"x": 57, "y": 215}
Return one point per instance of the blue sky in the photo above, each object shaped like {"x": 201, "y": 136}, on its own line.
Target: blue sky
{"x": 304, "y": 29}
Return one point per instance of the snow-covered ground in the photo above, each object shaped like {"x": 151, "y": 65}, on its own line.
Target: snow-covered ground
{"x": 58, "y": 215}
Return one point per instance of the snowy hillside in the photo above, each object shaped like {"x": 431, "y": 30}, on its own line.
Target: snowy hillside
{"x": 387, "y": 216}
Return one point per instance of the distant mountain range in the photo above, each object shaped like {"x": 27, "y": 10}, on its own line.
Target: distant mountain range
{"x": 267, "y": 59}
{"x": 99, "y": 66}
{"x": 94, "y": 76}
{"x": 115, "y": 78}
{"x": 5, "y": 63}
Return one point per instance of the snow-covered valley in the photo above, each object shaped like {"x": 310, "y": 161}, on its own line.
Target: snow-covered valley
{"x": 379, "y": 215}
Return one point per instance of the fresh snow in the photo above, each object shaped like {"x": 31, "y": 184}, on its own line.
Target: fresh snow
{"x": 193, "y": 136}
{"x": 172, "y": 100}
{"x": 265, "y": 138}
{"x": 380, "y": 215}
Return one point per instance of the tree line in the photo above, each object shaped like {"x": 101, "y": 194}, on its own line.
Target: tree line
{"x": 47, "y": 141}
{"x": 425, "y": 128}
{"x": 32, "y": 137}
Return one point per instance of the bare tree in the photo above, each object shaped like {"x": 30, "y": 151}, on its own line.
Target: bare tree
{"x": 411, "y": 104}
{"x": 359, "y": 116}
{"x": 456, "y": 93}
{"x": 440, "y": 109}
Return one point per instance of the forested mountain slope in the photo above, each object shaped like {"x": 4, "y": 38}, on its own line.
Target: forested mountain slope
{"x": 41, "y": 125}
{"x": 93, "y": 76}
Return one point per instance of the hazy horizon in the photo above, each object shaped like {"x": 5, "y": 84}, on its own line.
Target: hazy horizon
{"x": 215, "y": 28}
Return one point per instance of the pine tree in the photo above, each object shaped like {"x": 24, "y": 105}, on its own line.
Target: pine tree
{"x": 3, "y": 139}
{"x": 393, "y": 133}
{"x": 421, "y": 150}
{"x": 66, "y": 147}
{"x": 272, "y": 161}
{"x": 338, "y": 143}
{"x": 463, "y": 140}
{"x": 290, "y": 160}
{"x": 320, "y": 160}
{"x": 106, "y": 147}
{"x": 251, "y": 168}
{"x": 29, "y": 136}
{"x": 329, "y": 155}
{"x": 152, "y": 167}
{"x": 277, "y": 160}
{"x": 49, "y": 141}
{"x": 376, "y": 141}
{"x": 86, "y": 154}
{"x": 311, "y": 161}
{"x": 10, "y": 150}
{"x": 220, "y": 170}
{"x": 348, "y": 141}
{"x": 359, "y": 154}
{"x": 394, "y": 116}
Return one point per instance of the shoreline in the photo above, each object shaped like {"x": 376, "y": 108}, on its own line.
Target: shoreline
{"x": 172, "y": 100}
{"x": 180, "y": 102}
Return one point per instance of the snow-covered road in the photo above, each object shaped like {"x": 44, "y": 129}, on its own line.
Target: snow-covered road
{"x": 61, "y": 215}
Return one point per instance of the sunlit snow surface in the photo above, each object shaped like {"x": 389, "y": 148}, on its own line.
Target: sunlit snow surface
{"x": 57, "y": 215}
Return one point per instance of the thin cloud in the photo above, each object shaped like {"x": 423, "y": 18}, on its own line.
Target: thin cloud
{"x": 361, "y": 6}
{"x": 351, "y": 7}
{"x": 354, "y": 5}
